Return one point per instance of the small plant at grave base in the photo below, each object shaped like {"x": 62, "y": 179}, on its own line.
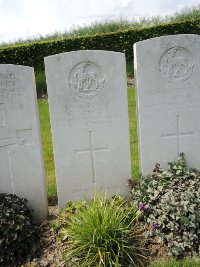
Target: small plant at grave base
{"x": 170, "y": 202}
{"x": 103, "y": 232}
{"x": 17, "y": 235}
{"x": 187, "y": 262}
{"x": 64, "y": 217}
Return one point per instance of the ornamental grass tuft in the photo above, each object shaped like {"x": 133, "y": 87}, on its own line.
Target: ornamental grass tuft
{"x": 105, "y": 232}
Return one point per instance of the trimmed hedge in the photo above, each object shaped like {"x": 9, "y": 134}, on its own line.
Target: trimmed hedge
{"x": 122, "y": 41}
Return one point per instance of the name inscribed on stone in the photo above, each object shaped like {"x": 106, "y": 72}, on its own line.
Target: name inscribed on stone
{"x": 8, "y": 86}
{"x": 92, "y": 113}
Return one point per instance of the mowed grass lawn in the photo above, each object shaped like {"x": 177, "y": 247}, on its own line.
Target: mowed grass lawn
{"x": 47, "y": 141}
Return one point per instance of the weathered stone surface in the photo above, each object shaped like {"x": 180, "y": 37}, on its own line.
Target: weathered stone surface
{"x": 89, "y": 118}
{"x": 168, "y": 97}
{"x": 21, "y": 163}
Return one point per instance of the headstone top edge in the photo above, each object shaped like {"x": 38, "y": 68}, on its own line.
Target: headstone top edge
{"x": 17, "y": 66}
{"x": 83, "y": 52}
{"x": 171, "y": 36}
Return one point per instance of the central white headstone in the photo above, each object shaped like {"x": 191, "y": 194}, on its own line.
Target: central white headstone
{"x": 21, "y": 163}
{"x": 168, "y": 99}
{"x": 89, "y": 117}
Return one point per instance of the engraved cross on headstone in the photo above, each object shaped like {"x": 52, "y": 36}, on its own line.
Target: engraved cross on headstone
{"x": 92, "y": 150}
{"x": 178, "y": 134}
{"x": 10, "y": 137}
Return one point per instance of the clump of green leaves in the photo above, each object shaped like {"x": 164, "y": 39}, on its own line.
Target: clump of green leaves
{"x": 17, "y": 235}
{"x": 65, "y": 214}
{"x": 170, "y": 201}
{"x": 103, "y": 232}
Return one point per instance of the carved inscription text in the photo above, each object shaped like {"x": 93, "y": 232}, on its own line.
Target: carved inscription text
{"x": 8, "y": 86}
{"x": 94, "y": 113}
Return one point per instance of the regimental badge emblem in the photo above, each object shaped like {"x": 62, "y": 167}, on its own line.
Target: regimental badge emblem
{"x": 86, "y": 79}
{"x": 176, "y": 64}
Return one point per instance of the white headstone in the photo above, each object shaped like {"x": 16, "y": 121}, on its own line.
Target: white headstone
{"x": 21, "y": 164}
{"x": 89, "y": 117}
{"x": 167, "y": 71}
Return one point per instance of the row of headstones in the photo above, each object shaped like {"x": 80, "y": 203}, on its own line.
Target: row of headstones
{"x": 87, "y": 96}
